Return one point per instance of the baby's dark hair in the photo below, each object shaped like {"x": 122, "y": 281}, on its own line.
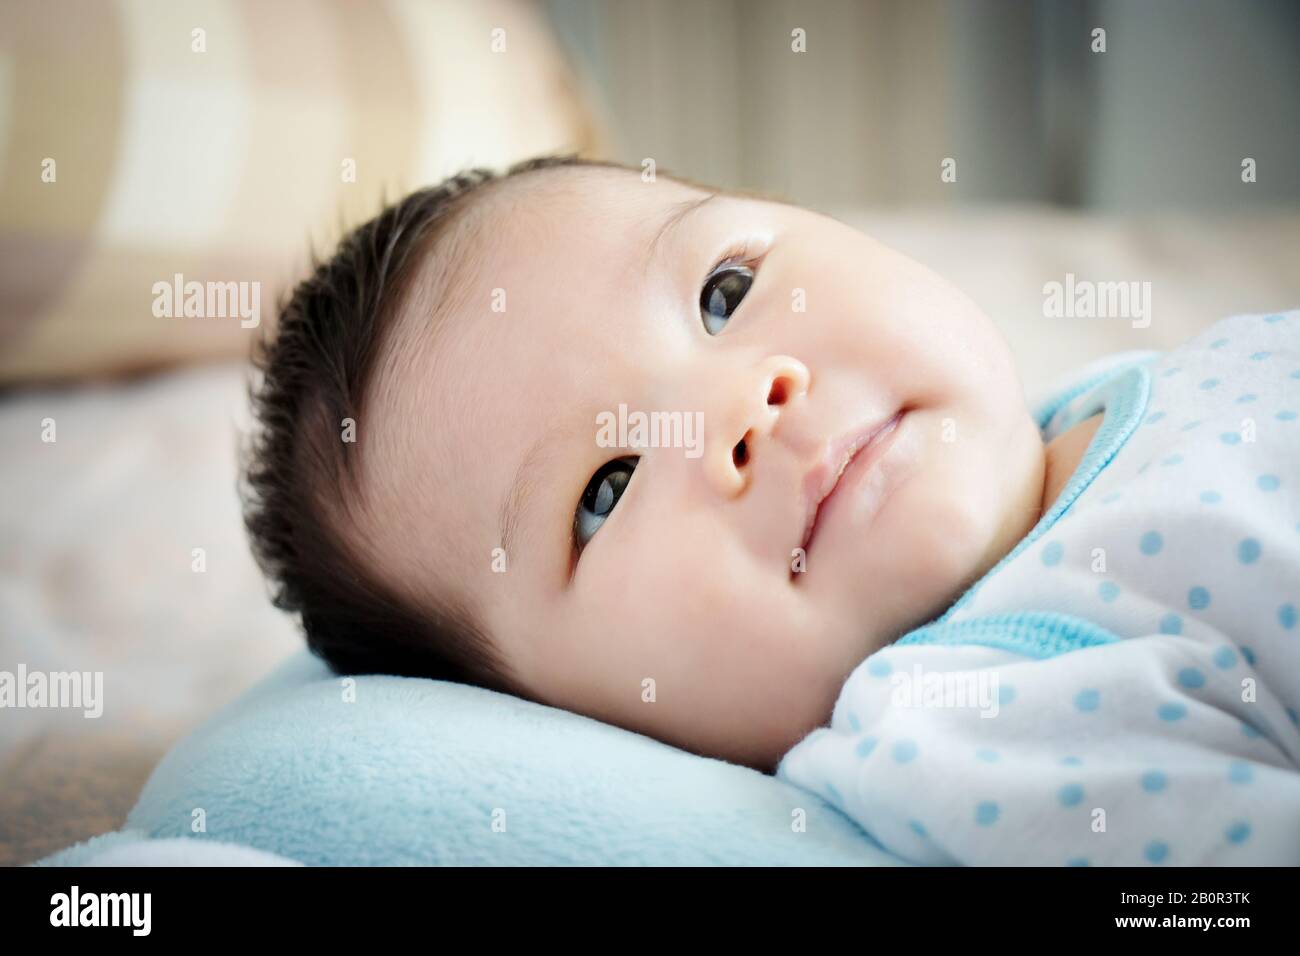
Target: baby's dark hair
{"x": 299, "y": 474}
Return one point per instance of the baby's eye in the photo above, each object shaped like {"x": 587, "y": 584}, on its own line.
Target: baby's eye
{"x": 600, "y": 497}
{"x": 721, "y": 295}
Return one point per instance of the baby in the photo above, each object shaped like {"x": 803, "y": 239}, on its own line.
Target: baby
{"x": 432, "y": 489}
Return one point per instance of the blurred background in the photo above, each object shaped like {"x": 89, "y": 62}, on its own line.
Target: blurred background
{"x": 1011, "y": 88}
{"x": 223, "y": 140}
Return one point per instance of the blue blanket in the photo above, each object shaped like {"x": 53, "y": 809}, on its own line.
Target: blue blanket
{"x": 310, "y": 768}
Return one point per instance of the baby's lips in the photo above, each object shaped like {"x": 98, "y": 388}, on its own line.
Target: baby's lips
{"x": 838, "y": 453}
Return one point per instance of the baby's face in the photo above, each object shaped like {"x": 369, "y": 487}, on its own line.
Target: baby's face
{"x": 682, "y": 605}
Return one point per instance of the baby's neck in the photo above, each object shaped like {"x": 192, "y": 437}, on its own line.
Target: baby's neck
{"x": 1064, "y": 452}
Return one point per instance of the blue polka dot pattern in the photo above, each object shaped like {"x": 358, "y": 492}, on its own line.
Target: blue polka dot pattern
{"x": 1071, "y": 795}
{"x": 1240, "y": 772}
{"x": 1286, "y": 616}
{"x": 1052, "y": 553}
{"x": 1209, "y": 383}
{"x": 1247, "y": 653}
{"x": 1171, "y": 624}
{"x": 1155, "y": 417}
{"x": 987, "y": 813}
{"x": 1268, "y": 482}
{"x": 1224, "y": 658}
{"x": 1248, "y": 551}
{"x": 905, "y": 751}
{"x": 986, "y": 755}
{"x": 1108, "y": 591}
{"x": 917, "y": 828}
{"x": 1006, "y": 695}
{"x": 1211, "y": 497}
{"x": 1218, "y": 343}
{"x": 1087, "y": 700}
{"x": 865, "y": 746}
{"x": 1153, "y": 781}
{"x": 1260, "y": 356}
{"x": 879, "y": 667}
{"x": 1151, "y": 543}
{"x": 1077, "y": 861}
{"x": 1191, "y": 678}
{"x": 1156, "y": 851}
{"x": 1171, "y": 712}
{"x": 1198, "y": 598}
{"x": 1285, "y": 415}
{"x": 1230, "y": 438}
{"x": 1071, "y": 762}
{"x": 1238, "y": 832}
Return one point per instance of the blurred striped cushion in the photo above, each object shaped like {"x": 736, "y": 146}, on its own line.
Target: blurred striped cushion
{"x": 214, "y": 140}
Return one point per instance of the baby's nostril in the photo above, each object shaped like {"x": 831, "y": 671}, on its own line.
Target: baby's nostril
{"x": 740, "y": 454}
{"x": 776, "y": 395}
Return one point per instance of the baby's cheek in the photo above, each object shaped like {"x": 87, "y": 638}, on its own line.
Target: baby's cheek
{"x": 693, "y": 592}
{"x": 954, "y": 534}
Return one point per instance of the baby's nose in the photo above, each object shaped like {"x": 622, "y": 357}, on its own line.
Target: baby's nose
{"x": 747, "y": 411}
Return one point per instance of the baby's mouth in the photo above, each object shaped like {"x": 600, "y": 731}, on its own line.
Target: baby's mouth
{"x": 859, "y": 446}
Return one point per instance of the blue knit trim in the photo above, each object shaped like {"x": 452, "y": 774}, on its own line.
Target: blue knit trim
{"x": 1046, "y": 411}
{"x": 1038, "y": 634}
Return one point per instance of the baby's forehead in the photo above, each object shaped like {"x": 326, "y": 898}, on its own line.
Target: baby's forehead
{"x": 516, "y": 256}
{"x": 553, "y": 233}
{"x": 585, "y": 198}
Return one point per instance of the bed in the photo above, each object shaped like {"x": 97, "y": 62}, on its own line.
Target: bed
{"x": 231, "y": 155}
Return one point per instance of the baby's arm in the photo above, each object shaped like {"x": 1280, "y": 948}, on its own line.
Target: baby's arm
{"x": 1158, "y": 749}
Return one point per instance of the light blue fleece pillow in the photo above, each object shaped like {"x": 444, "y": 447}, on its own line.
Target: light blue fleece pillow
{"x": 429, "y": 772}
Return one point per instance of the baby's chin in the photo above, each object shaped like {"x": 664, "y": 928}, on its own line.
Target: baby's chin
{"x": 939, "y": 534}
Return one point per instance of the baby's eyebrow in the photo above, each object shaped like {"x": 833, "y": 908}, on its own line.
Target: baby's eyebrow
{"x": 680, "y": 212}
{"x": 520, "y": 493}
